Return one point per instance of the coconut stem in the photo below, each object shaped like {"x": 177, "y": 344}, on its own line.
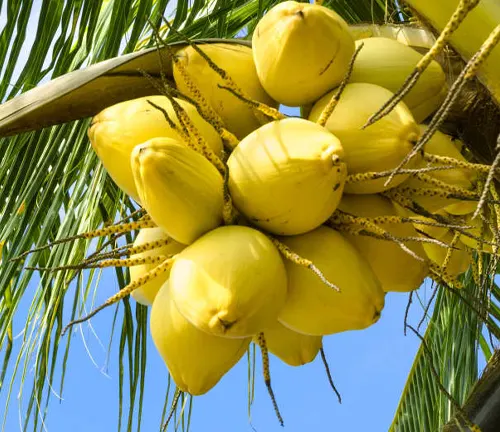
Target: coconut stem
{"x": 329, "y": 108}
{"x": 361, "y": 177}
{"x": 270, "y": 112}
{"x": 118, "y": 252}
{"x": 173, "y": 407}
{"x": 114, "y": 253}
{"x": 228, "y": 137}
{"x": 370, "y": 226}
{"x": 192, "y": 136}
{"x": 230, "y": 85}
{"x": 303, "y": 262}
{"x": 128, "y": 250}
{"x": 267, "y": 374}
{"x": 329, "y": 375}
{"x": 153, "y": 273}
{"x": 407, "y": 203}
{"x": 449, "y": 251}
{"x": 412, "y": 220}
{"x": 473, "y": 267}
{"x": 427, "y": 307}
{"x": 144, "y": 222}
{"x": 202, "y": 104}
{"x": 445, "y": 186}
{"x": 353, "y": 230}
{"x": 129, "y": 262}
{"x": 432, "y": 158}
{"x": 443, "y": 275}
{"x": 448, "y": 193}
{"x": 228, "y": 211}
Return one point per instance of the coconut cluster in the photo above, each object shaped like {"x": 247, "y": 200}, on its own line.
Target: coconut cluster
{"x": 287, "y": 229}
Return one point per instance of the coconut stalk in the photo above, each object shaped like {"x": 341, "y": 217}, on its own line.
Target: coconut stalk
{"x": 467, "y": 39}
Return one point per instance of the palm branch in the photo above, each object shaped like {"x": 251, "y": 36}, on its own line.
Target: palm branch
{"x": 52, "y": 186}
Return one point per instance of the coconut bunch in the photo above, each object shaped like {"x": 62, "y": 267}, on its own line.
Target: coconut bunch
{"x": 285, "y": 230}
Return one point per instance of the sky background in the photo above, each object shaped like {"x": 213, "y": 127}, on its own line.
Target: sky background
{"x": 369, "y": 368}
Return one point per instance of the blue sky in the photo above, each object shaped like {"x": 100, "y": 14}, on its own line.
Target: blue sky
{"x": 369, "y": 368}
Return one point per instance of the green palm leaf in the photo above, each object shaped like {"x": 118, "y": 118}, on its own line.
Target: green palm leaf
{"x": 455, "y": 335}
{"x": 452, "y": 353}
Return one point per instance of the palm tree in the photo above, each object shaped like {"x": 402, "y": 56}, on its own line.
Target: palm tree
{"x": 52, "y": 186}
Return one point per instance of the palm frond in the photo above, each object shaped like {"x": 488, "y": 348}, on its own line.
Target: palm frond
{"x": 451, "y": 346}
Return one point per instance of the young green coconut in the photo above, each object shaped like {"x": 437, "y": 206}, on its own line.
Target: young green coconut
{"x": 116, "y": 130}
{"x": 180, "y": 189}
{"x": 301, "y": 51}
{"x": 147, "y": 292}
{"x": 378, "y": 147}
{"x": 196, "y": 360}
{"x": 387, "y": 63}
{"x": 315, "y": 309}
{"x": 231, "y": 282}
{"x": 395, "y": 268}
{"x": 237, "y": 61}
{"x": 295, "y": 349}
{"x": 287, "y": 176}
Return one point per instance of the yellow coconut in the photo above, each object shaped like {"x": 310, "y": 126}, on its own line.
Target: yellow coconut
{"x": 230, "y": 282}
{"x": 436, "y": 232}
{"x": 180, "y": 189}
{"x": 287, "y": 177}
{"x": 116, "y": 130}
{"x": 237, "y": 61}
{"x": 301, "y": 51}
{"x": 480, "y": 230}
{"x": 196, "y": 360}
{"x": 379, "y": 147}
{"x": 387, "y": 63}
{"x": 441, "y": 144}
{"x": 461, "y": 208}
{"x": 459, "y": 260}
{"x": 316, "y": 309}
{"x": 147, "y": 292}
{"x": 295, "y": 349}
{"x": 396, "y": 269}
